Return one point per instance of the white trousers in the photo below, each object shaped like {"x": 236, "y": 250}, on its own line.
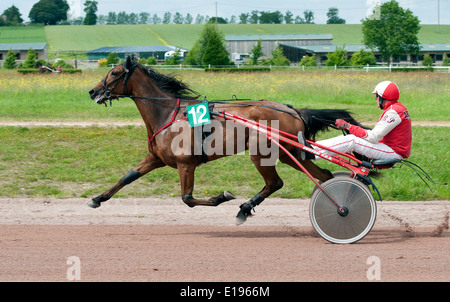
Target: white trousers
{"x": 350, "y": 143}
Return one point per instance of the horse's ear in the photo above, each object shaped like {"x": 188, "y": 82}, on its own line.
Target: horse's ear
{"x": 128, "y": 63}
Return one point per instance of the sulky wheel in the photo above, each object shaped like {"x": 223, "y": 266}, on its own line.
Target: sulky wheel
{"x": 335, "y": 174}
{"x": 360, "y": 210}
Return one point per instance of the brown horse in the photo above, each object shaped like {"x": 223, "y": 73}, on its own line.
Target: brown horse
{"x": 162, "y": 101}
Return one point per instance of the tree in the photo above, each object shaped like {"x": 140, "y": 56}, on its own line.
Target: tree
{"x": 254, "y": 17}
{"x": 49, "y": 12}
{"x": 337, "y": 58}
{"x": 288, "y": 17}
{"x": 30, "y": 61}
{"x": 90, "y": 8}
{"x": 143, "y": 17}
{"x": 188, "y": 19}
{"x": 209, "y": 48}
{"x": 218, "y": 20}
{"x": 215, "y": 53}
{"x": 394, "y": 33}
{"x": 446, "y": 60}
{"x": 167, "y": 17}
{"x": 333, "y": 17}
{"x": 243, "y": 18}
{"x": 309, "y": 16}
{"x": 256, "y": 53}
{"x": 278, "y": 58}
{"x": 308, "y": 61}
{"x": 113, "y": 59}
{"x": 363, "y": 57}
{"x": 178, "y": 18}
{"x": 111, "y": 18}
{"x": 271, "y": 17}
{"x": 427, "y": 60}
{"x": 13, "y": 16}
{"x": 10, "y": 61}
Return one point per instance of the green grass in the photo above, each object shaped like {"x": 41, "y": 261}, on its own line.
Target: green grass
{"x": 73, "y": 162}
{"x": 65, "y": 97}
{"x": 83, "y": 162}
{"x": 22, "y": 34}
{"x": 84, "y": 38}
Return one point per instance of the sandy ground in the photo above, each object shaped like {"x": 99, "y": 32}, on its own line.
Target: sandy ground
{"x": 163, "y": 240}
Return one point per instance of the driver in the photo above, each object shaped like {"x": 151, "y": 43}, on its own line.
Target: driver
{"x": 391, "y": 137}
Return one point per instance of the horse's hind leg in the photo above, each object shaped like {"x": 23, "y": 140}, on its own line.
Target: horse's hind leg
{"x": 186, "y": 173}
{"x": 273, "y": 183}
{"x": 149, "y": 163}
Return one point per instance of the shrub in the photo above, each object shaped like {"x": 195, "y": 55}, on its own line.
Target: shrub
{"x": 113, "y": 59}
{"x": 30, "y": 61}
{"x": 337, "y": 58}
{"x": 427, "y": 60}
{"x": 446, "y": 60}
{"x": 152, "y": 61}
{"x": 234, "y": 69}
{"x": 102, "y": 62}
{"x": 363, "y": 57}
{"x": 10, "y": 61}
{"x": 308, "y": 61}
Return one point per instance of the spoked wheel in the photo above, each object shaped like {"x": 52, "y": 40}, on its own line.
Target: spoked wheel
{"x": 360, "y": 210}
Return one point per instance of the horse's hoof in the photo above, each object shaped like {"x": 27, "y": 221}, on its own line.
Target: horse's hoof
{"x": 93, "y": 204}
{"x": 228, "y": 195}
{"x": 242, "y": 215}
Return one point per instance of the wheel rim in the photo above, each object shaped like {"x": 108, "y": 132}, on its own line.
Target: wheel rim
{"x": 348, "y": 193}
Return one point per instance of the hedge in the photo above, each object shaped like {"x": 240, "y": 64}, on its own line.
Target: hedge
{"x": 235, "y": 69}
{"x": 27, "y": 71}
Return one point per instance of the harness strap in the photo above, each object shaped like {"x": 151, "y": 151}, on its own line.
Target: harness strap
{"x": 172, "y": 120}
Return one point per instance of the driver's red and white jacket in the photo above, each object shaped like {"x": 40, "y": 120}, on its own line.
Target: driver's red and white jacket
{"x": 393, "y": 129}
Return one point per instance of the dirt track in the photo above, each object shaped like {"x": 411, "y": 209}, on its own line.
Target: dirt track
{"x": 164, "y": 240}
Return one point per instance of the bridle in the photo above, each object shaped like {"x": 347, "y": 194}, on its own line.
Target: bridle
{"x": 109, "y": 87}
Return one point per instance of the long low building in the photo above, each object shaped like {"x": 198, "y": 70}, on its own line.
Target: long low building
{"x": 157, "y": 52}
{"x": 240, "y": 46}
{"x": 295, "y": 47}
{"x": 21, "y": 50}
{"x": 296, "y": 53}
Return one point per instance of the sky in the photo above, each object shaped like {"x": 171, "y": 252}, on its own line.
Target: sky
{"x": 350, "y": 10}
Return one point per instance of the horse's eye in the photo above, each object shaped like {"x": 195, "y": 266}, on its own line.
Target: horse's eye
{"x": 114, "y": 73}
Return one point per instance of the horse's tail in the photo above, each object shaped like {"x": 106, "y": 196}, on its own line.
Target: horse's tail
{"x": 318, "y": 120}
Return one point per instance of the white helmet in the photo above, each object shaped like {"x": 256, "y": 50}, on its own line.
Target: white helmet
{"x": 387, "y": 90}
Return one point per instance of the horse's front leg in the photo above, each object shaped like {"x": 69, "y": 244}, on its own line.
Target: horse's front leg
{"x": 149, "y": 163}
{"x": 186, "y": 173}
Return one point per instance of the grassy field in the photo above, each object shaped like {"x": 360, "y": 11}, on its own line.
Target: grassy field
{"x": 21, "y": 34}
{"x": 73, "y": 162}
{"x": 65, "y": 97}
{"x": 84, "y": 38}
{"x": 83, "y": 162}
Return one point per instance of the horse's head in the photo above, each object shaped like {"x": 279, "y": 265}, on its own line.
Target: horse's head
{"x": 114, "y": 85}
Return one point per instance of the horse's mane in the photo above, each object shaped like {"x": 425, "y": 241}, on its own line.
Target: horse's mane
{"x": 169, "y": 84}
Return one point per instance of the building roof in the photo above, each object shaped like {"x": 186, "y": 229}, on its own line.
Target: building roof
{"x": 356, "y": 47}
{"x": 134, "y": 49}
{"x": 435, "y": 47}
{"x": 278, "y": 37}
{"x": 22, "y": 46}
{"x": 328, "y": 47}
